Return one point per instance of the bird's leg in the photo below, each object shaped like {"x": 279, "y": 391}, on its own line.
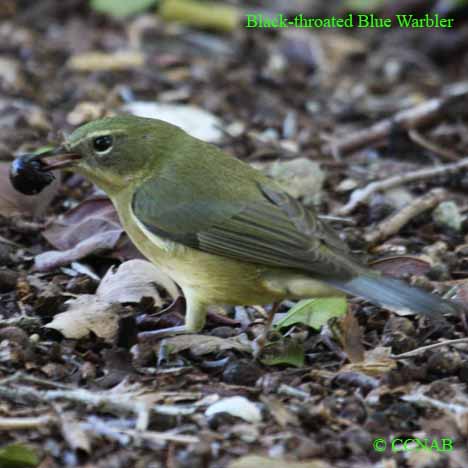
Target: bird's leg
{"x": 195, "y": 316}
{"x": 260, "y": 342}
{"x": 155, "y": 335}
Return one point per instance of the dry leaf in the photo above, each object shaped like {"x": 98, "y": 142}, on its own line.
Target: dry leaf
{"x": 282, "y": 414}
{"x": 203, "y": 344}
{"x": 402, "y": 265}
{"x": 93, "y": 216}
{"x": 52, "y": 259}
{"x": 100, "y": 61}
{"x": 236, "y": 406}
{"x": 376, "y": 362}
{"x": 351, "y": 338}
{"x": 75, "y": 436}
{"x": 88, "y": 314}
{"x": 93, "y": 226}
{"x": 101, "y": 312}
{"x": 195, "y": 121}
{"x": 300, "y": 177}
{"x": 133, "y": 280}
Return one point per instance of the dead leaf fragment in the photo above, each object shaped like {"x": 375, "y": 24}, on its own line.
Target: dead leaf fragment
{"x": 401, "y": 266}
{"x": 376, "y": 362}
{"x": 236, "y": 406}
{"x": 351, "y": 338}
{"x": 133, "y": 280}
{"x": 282, "y": 414}
{"x": 195, "y": 121}
{"x": 93, "y": 226}
{"x": 88, "y": 314}
{"x": 10, "y": 73}
{"x": 203, "y": 344}
{"x": 85, "y": 112}
{"x": 101, "y": 61}
{"x": 73, "y": 433}
{"x": 52, "y": 259}
{"x": 300, "y": 177}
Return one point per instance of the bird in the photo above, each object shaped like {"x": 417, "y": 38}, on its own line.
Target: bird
{"x": 226, "y": 233}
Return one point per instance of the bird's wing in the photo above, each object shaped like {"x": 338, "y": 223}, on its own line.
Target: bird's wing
{"x": 273, "y": 230}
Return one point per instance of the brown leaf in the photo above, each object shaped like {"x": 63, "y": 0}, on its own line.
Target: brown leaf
{"x": 351, "y": 338}
{"x": 133, "y": 280}
{"x": 401, "y": 266}
{"x": 376, "y": 362}
{"x": 101, "y": 312}
{"x": 88, "y": 314}
{"x": 74, "y": 435}
{"x": 92, "y": 216}
{"x": 100, "y": 241}
{"x": 203, "y": 344}
{"x": 282, "y": 414}
{"x": 91, "y": 227}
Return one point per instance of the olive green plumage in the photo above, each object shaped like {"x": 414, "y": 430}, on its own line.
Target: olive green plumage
{"x": 221, "y": 229}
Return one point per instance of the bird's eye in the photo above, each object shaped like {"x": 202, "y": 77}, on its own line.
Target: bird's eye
{"x": 103, "y": 143}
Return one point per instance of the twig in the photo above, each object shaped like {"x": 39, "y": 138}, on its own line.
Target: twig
{"x": 23, "y": 321}
{"x": 414, "y": 117}
{"x": 422, "y": 349}
{"x": 153, "y": 436}
{"x": 293, "y": 392}
{"x": 17, "y": 424}
{"x": 421, "y": 140}
{"x": 337, "y": 219}
{"x": 442, "y": 405}
{"x": 125, "y": 436}
{"x": 117, "y": 402}
{"x": 395, "y": 222}
{"x": 22, "y": 377}
{"x": 361, "y": 195}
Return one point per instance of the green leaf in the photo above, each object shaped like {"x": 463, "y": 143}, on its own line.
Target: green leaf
{"x": 291, "y": 353}
{"x": 18, "y": 456}
{"x": 314, "y": 312}
{"x": 121, "y": 8}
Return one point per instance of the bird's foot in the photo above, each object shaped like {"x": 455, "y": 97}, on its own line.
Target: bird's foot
{"x": 259, "y": 344}
{"x": 156, "y": 335}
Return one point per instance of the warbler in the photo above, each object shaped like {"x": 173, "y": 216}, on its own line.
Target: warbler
{"x": 224, "y": 231}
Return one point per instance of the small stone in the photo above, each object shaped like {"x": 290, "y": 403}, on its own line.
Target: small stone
{"x": 346, "y": 185}
{"x": 357, "y": 440}
{"x": 463, "y": 373}
{"x": 444, "y": 363}
{"x": 34, "y": 338}
{"x": 447, "y": 214}
{"x": 8, "y": 280}
{"x": 224, "y": 332}
{"x": 399, "y": 324}
{"x": 439, "y": 272}
{"x": 241, "y": 372}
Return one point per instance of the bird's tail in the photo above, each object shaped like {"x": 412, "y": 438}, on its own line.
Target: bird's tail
{"x": 397, "y": 295}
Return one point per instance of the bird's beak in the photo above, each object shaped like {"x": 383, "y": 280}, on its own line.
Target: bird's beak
{"x": 63, "y": 159}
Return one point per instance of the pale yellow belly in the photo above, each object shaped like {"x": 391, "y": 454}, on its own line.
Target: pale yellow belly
{"x": 215, "y": 279}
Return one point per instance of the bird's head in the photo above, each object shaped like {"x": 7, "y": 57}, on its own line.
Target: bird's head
{"x": 114, "y": 152}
